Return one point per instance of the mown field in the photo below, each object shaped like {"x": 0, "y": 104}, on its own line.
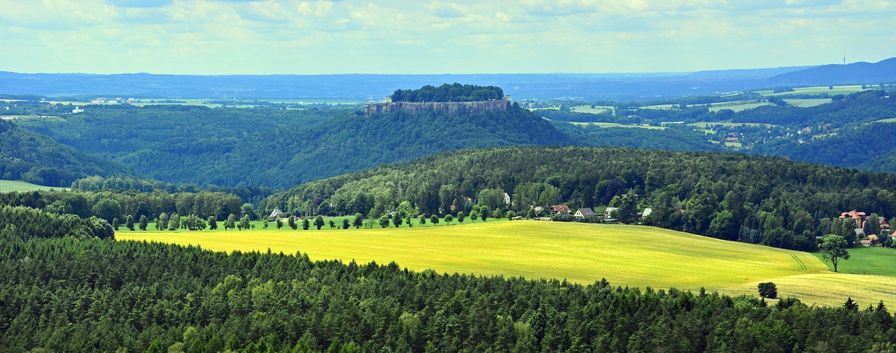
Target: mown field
{"x": 19, "y": 186}
{"x": 625, "y": 255}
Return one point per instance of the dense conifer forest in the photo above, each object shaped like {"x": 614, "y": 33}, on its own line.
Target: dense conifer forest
{"x": 84, "y": 295}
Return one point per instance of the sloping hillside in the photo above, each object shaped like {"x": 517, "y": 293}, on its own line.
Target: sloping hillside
{"x": 40, "y": 160}
{"x": 860, "y": 72}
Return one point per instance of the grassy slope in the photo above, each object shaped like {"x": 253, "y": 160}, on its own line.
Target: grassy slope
{"x": 625, "y": 255}
{"x": 868, "y": 261}
{"x": 18, "y": 185}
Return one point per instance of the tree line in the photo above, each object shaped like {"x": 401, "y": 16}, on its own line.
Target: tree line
{"x": 110, "y": 205}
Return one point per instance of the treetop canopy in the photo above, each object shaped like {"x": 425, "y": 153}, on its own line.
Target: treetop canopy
{"x": 448, "y": 93}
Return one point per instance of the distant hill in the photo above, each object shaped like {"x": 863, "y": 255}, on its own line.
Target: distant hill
{"x": 857, "y": 73}
{"x": 37, "y": 159}
{"x": 586, "y": 86}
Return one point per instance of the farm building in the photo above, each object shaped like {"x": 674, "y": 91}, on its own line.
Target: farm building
{"x": 858, "y": 217}
{"x": 608, "y": 213}
{"x": 584, "y": 213}
{"x": 277, "y": 214}
{"x": 561, "y": 208}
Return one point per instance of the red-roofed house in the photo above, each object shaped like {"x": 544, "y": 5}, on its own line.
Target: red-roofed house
{"x": 858, "y": 217}
{"x": 560, "y": 209}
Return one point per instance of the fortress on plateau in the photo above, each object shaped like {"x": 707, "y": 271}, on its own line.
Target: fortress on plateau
{"x": 388, "y": 106}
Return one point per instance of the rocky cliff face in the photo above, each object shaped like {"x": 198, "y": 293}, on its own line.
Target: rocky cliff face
{"x": 448, "y": 107}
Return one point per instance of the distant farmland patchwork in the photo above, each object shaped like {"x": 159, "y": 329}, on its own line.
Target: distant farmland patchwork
{"x": 583, "y": 253}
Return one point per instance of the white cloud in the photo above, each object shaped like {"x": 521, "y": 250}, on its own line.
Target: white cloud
{"x": 205, "y": 36}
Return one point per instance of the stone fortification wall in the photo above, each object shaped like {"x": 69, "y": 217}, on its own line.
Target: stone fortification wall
{"x": 448, "y": 107}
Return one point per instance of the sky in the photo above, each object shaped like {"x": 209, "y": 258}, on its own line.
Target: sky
{"x": 524, "y": 36}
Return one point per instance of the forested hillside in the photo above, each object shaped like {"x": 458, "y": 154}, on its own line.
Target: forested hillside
{"x": 37, "y": 159}
{"x": 737, "y": 197}
{"x": 280, "y": 148}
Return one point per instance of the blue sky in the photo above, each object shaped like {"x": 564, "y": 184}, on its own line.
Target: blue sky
{"x": 313, "y": 37}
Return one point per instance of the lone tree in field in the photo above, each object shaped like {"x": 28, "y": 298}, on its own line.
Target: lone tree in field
{"x": 212, "y": 223}
{"x": 346, "y": 224}
{"x": 768, "y": 290}
{"x": 115, "y": 223}
{"x": 162, "y": 222}
{"x": 279, "y": 223}
{"x": 244, "y": 222}
{"x": 230, "y": 222}
{"x": 318, "y": 222}
{"x": 332, "y": 224}
{"x": 434, "y": 219}
{"x": 833, "y": 248}
{"x": 306, "y": 224}
{"x": 384, "y": 221}
{"x": 460, "y": 217}
{"x": 358, "y": 221}
{"x": 292, "y": 223}
{"x": 449, "y": 218}
{"x": 396, "y": 220}
{"x": 143, "y": 223}
{"x": 129, "y": 223}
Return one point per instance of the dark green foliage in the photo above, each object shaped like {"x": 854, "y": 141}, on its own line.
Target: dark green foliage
{"x": 318, "y": 222}
{"x": 24, "y": 222}
{"x": 66, "y": 295}
{"x": 40, "y": 160}
{"x": 736, "y": 197}
{"x": 109, "y": 205}
{"x": 269, "y": 147}
{"x": 768, "y": 290}
{"x": 674, "y": 138}
{"x": 144, "y": 222}
{"x": 448, "y": 93}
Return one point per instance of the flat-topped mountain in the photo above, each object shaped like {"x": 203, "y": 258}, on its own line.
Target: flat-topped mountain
{"x": 452, "y": 99}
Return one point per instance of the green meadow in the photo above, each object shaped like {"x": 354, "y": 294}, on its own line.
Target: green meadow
{"x": 625, "y": 255}
{"x": 18, "y": 185}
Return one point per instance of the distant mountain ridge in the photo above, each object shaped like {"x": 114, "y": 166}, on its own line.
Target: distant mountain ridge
{"x": 857, "y": 73}
{"x": 631, "y": 86}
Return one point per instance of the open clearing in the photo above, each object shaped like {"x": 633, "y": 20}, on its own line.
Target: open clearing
{"x": 592, "y": 109}
{"x": 18, "y": 185}
{"x": 843, "y": 89}
{"x": 614, "y": 125}
{"x": 868, "y": 261}
{"x": 737, "y": 106}
{"x": 583, "y": 253}
{"x": 807, "y": 102}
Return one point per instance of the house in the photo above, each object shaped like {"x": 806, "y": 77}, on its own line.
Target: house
{"x": 561, "y": 208}
{"x": 608, "y": 213}
{"x": 647, "y": 211}
{"x": 277, "y": 214}
{"x": 584, "y": 213}
{"x": 858, "y": 217}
